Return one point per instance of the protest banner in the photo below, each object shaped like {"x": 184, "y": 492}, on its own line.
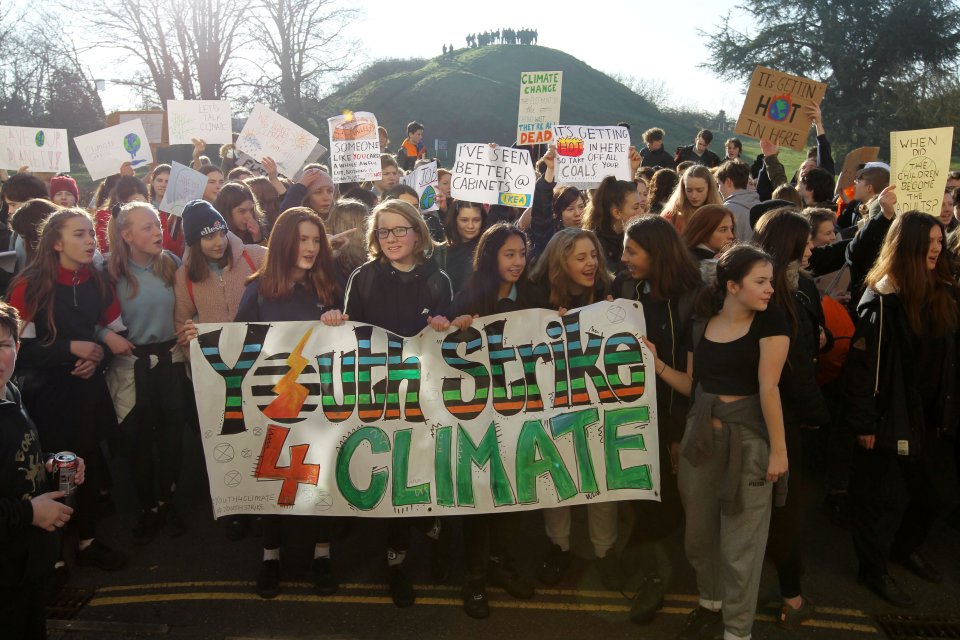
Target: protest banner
{"x": 854, "y": 159}
{"x": 105, "y": 150}
{"x": 587, "y": 155}
{"x": 522, "y": 410}
{"x": 207, "y": 120}
{"x": 37, "y": 148}
{"x": 493, "y": 175}
{"x": 267, "y": 134}
{"x": 919, "y": 164}
{"x": 424, "y": 180}
{"x": 185, "y": 185}
{"x": 775, "y": 108}
{"x": 354, "y": 147}
{"x": 539, "y": 106}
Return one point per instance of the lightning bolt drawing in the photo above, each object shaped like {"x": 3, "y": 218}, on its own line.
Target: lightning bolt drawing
{"x": 290, "y": 393}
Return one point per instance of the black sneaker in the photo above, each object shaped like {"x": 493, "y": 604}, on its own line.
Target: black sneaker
{"x": 610, "y": 571}
{"x": 702, "y": 624}
{"x": 919, "y": 566}
{"x": 648, "y": 599}
{"x": 173, "y": 524}
{"x": 146, "y": 528}
{"x": 502, "y": 574}
{"x": 324, "y": 582}
{"x": 475, "y": 600}
{"x": 236, "y": 528}
{"x": 101, "y": 556}
{"x": 887, "y": 588}
{"x": 268, "y": 580}
{"x": 554, "y": 566}
{"x": 400, "y": 588}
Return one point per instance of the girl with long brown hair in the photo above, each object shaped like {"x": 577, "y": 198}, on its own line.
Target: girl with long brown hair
{"x": 70, "y": 319}
{"x": 296, "y": 282}
{"x": 710, "y": 229}
{"x": 696, "y": 188}
{"x": 900, "y": 385}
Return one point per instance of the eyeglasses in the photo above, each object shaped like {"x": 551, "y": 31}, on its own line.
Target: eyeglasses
{"x": 398, "y": 232}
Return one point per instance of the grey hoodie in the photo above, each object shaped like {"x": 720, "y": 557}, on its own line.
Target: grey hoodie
{"x": 740, "y": 202}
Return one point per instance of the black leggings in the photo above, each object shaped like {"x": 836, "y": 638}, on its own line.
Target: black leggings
{"x": 786, "y": 522}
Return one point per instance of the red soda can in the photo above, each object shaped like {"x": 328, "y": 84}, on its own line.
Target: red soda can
{"x": 65, "y": 466}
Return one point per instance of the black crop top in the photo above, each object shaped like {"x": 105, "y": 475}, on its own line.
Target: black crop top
{"x": 730, "y": 368}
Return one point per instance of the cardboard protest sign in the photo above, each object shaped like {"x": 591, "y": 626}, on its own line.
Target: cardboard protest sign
{"x": 354, "y": 147}
{"x": 208, "y": 120}
{"x": 185, "y": 185}
{"x": 267, "y": 134}
{"x": 919, "y": 164}
{"x": 587, "y": 155}
{"x": 523, "y": 410}
{"x": 424, "y": 180}
{"x": 774, "y": 109}
{"x": 105, "y": 150}
{"x": 493, "y": 175}
{"x": 854, "y": 159}
{"x": 539, "y": 106}
{"x": 38, "y": 148}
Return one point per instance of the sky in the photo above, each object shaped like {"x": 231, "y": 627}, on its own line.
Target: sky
{"x": 647, "y": 39}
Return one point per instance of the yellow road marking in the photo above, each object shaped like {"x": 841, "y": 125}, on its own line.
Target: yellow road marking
{"x": 100, "y": 601}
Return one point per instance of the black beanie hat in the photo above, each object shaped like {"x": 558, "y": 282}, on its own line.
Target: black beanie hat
{"x": 757, "y": 210}
{"x": 201, "y": 219}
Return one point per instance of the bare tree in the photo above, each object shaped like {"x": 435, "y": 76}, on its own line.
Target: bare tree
{"x": 304, "y": 42}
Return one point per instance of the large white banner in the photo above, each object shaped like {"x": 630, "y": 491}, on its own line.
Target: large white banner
{"x": 523, "y": 410}
{"x": 105, "y": 150}
{"x": 40, "y": 149}
{"x": 267, "y": 134}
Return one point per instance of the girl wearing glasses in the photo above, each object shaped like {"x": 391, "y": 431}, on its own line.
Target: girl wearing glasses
{"x": 402, "y": 290}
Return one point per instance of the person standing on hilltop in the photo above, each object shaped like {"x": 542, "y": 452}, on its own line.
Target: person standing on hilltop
{"x": 412, "y": 148}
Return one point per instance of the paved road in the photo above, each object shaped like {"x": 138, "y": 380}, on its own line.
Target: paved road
{"x": 200, "y": 586}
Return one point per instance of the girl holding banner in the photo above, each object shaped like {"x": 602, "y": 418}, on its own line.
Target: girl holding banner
{"x": 296, "y": 282}
{"x": 403, "y": 291}
{"x": 572, "y": 273}
{"x": 498, "y": 284}
{"x": 143, "y": 272}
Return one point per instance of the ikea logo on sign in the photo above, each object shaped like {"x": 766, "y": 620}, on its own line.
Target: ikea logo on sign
{"x": 515, "y": 199}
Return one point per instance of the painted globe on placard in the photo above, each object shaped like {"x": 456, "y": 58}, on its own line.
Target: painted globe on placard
{"x": 131, "y": 143}
{"x": 427, "y": 198}
{"x": 40, "y": 138}
{"x": 780, "y": 109}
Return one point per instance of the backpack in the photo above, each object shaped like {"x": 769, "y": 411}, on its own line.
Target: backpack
{"x": 838, "y": 321}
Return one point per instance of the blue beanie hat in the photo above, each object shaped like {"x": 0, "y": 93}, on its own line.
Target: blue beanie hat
{"x": 201, "y": 219}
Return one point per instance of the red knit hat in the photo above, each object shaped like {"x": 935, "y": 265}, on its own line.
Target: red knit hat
{"x": 64, "y": 183}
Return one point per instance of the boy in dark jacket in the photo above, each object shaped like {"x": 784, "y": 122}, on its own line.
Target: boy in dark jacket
{"x": 699, "y": 152}
{"x": 30, "y": 515}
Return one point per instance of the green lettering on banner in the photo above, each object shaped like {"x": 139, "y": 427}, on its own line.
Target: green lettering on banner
{"x": 617, "y": 477}
{"x": 442, "y": 460}
{"x": 469, "y": 454}
{"x": 363, "y": 499}
{"x": 533, "y": 440}
{"x": 576, "y": 424}
{"x": 403, "y": 494}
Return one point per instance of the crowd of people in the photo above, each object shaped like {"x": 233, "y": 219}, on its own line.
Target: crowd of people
{"x": 722, "y": 254}
{"x": 502, "y": 36}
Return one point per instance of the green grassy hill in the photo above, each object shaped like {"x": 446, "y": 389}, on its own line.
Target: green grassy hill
{"x": 473, "y": 96}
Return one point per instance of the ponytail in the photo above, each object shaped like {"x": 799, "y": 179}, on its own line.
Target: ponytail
{"x": 611, "y": 193}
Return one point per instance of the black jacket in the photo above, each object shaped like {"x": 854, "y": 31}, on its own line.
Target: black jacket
{"x": 668, "y": 328}
{"x": 828, "y": 258}
{"x": 457, "y": 261}
{"x": 708, "y": 159}
{"x": 543, "y": 224}
{"x": 881, "y": 380}
{"x": 28, "y": 551}
{"x": 612, "y": 244}
{"x": 398, "y": 301}
{"x": 659, "y": 158}
{"x": 863, "y": 250}
{"x": 802, "y": 401}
